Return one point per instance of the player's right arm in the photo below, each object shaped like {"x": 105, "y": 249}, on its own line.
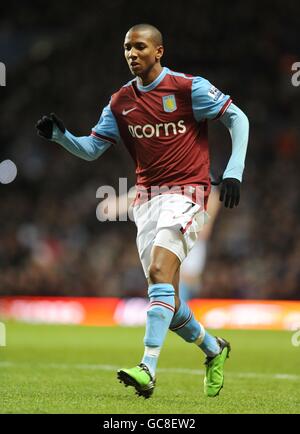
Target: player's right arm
{"x": 103, "y": 135}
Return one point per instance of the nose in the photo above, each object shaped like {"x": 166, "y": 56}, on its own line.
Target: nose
{"x": 132, "y": 54}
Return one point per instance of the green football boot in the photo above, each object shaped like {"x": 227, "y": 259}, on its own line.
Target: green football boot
{"x": 138, "y": 377}
{"x": 214, "y": 378}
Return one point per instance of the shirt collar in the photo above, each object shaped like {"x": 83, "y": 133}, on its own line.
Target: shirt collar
{"x": 154, "y": 83}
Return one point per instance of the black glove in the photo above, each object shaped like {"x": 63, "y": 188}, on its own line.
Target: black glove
{"x": 45, "y": 126}
{"x": 230, "y": 191}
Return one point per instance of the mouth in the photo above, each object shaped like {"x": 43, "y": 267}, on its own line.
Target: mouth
{"x": 134, "y": 65}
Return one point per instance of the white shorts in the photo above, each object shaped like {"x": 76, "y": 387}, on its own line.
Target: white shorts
{"x": 171, "y": 221}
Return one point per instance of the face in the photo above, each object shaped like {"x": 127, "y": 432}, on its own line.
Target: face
{"x": 140, "y": 52}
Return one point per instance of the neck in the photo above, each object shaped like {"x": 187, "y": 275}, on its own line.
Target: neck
{"x": 151, "y": 75}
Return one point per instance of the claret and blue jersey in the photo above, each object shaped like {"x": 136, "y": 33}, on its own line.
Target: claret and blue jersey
{"x": 164, "y": 127}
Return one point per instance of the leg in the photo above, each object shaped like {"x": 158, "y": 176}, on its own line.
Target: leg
{"x": 216, "y": 349}
{"x": 165, "y": 268}
{"x": 163, "y": 271}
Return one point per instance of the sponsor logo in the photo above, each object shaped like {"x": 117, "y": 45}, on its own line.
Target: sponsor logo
{"x": 169, "y": 103}
{"x": 147, "y": 131}
{"x": 125, "y": 112}
{"x": 215, "y": 93}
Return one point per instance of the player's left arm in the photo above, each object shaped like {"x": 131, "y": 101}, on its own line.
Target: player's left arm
{"x": 209, "y": 103}
{"x": 238, "y": 125}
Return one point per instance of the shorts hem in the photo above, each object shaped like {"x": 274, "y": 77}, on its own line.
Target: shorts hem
{"x": 171, "y": 250}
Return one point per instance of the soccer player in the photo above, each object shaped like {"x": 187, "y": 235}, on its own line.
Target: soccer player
{"x": 161, "y": 117}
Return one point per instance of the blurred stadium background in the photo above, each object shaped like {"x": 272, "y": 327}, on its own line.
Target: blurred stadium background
{"x": 59, "y": 264}
{"x": 68, "y": 58}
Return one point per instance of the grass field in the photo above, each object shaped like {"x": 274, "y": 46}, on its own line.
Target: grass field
{"x": 72, "y": 369}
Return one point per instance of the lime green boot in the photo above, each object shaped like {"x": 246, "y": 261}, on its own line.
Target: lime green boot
{"x": 138, "y": 377}
{"x": 214, "y": 378}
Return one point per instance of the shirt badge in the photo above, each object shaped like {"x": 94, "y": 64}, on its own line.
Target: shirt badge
{"x": 169, "y": 103}
{"x": 215, "y": 93}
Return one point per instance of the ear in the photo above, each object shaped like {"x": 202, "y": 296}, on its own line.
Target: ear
{"x": 159, "y": 52}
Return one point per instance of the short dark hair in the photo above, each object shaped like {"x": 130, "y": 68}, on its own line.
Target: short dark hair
{"x": 155, "y": 33}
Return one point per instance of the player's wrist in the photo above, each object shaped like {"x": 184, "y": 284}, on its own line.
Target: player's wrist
{"x": 57, "y": 134}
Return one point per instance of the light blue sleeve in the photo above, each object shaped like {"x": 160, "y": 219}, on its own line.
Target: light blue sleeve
{"x": 238, "y": 125}
{"x": 107, "y": 128}
{"x": 208, "y": 102}
{"x": 103, "y": 135}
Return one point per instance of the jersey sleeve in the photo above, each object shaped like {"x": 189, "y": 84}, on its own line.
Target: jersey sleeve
{"x": 238, "y": 125}
{"x": 208, "y": 102}
{"x": 107, "y": 129}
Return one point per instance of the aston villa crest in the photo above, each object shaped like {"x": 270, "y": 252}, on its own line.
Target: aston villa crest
{"x": 169, "y": 103}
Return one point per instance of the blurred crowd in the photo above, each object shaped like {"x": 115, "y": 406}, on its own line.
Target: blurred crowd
{"x": 69, "y": 60}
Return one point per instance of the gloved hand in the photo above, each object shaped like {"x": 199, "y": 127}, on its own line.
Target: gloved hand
{"x": 45, "y": 125}
{"x": 230, "y": 191}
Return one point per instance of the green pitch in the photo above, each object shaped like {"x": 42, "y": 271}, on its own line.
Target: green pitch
{"x": 72, "y": 369}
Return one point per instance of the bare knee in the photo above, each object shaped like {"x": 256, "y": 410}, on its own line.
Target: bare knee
{"x": 157, "y": 273}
